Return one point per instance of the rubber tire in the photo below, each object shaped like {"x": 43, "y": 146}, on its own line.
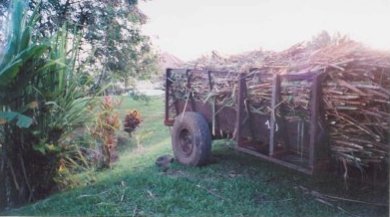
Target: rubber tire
{"x": 194, "y": 125}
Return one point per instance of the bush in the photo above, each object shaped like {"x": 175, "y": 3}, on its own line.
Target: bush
{"x": 107, "y": 123}
{"x": 132, "y": 121}
{"x": 41, "y": 100}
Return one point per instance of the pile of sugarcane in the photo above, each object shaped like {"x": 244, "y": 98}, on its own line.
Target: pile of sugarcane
{"x": 238, "y": 62}
{"x": 357, "y": 102}
{"x": 356, "y": 92}
{"x": 356, "y": 96}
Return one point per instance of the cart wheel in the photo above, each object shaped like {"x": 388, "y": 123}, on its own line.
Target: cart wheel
{"x": 191, "y": 139}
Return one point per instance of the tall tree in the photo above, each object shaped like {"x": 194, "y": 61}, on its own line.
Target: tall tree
{"x": 112, "y": 47}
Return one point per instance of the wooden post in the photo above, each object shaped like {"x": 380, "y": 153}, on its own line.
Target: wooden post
{"x": 191, "y": 97}
{"x": 240, "y": 107}
{"x": 167, "y": 87}
{"x": 314, "y": 117}
{"x": 274, "y": 102}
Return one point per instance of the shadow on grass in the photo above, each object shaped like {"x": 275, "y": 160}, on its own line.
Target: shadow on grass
{"x": 233, "y": 184}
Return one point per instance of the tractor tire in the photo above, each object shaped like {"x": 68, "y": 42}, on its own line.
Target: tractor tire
{"x": 191, "y": 139}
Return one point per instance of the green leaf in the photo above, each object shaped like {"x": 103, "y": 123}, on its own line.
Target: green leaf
{"x": 35, "y": 15}
{"x": 8, "y": 116}
{"x": 51, "y": 148}
{"x": 22, "y": 121}
{"x": 25, "y": 40}
{"x": 9, "y": 72}
{"x": 40, "y": 147}
{"x": 17, "y": 23}
{"x": 35, "y": 51}
{"x": 51, "y": 63}
{"x": 45, "y": 148}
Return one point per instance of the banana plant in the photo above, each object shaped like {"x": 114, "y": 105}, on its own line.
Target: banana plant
{"x": 39, "y": 91}
{"x": 18, "y": 51}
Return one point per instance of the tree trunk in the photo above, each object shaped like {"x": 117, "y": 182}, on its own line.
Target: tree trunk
{"x": 14, "y": 181}
{"x": 3, "y": 195}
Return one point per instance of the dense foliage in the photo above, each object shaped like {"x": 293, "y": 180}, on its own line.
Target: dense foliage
{"x": 112, "y": 47}
{"x": 41, "y": 99}
{"x": 55, "y": 56}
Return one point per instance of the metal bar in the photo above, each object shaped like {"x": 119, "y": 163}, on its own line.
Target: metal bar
{"x": 314, "y": 112}
{"x": 167, "y": 87}
{"x": 274, "y": 102}
{"x": 240, "y": 108}
{"x": 277, "y": 161}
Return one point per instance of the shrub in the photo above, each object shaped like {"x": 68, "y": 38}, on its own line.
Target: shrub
{"x": 106, "y": 125}
{"x": 41, "y": 100}
{"x": 132, "y": 121}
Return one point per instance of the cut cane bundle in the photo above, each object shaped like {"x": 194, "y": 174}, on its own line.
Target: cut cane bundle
{"x": 356, "y": 91}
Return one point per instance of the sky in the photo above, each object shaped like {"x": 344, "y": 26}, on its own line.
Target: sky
{"x": 191, "y": 28}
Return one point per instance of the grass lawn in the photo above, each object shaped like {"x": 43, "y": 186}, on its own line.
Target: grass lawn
{"x": 235, "y": 184}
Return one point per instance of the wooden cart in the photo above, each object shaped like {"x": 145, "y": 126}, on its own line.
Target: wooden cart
{"x": 294, "y": 143}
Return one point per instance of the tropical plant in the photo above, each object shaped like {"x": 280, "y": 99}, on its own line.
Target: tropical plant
{"x": 18, "y": 52}
{"x": 132, "y": 121}
{"x": 115, "y": 49}
{"x": 41, "y": 99}
{"x": 107, "y": 123}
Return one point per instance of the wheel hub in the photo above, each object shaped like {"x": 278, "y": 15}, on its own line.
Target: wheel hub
{"x": 185, "y": 141}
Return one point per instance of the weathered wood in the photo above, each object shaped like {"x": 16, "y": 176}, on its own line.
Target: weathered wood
{"x": 355, "y": 93}
{"x": 240, "y": 108}
{"x": 314, "y": 114}
{"x": 274, "y": 102}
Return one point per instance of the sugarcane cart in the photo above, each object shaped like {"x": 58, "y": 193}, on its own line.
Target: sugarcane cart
{"x": 255, "y": 109}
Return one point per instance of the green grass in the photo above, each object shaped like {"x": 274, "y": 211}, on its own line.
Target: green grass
{"x": 235, "y": 184}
